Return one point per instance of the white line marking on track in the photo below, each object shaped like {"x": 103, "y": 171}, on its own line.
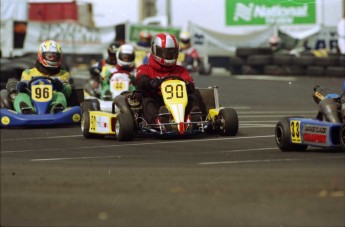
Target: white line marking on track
{"x": 119, "y": 156}
{"x": 278, "y": 112}
{"x": 252, "y": 149}
{"x": 261, "y": 116}
{"x": 39, "y": 138}
{"x": 256, "y": 125}
{"x": 272, "y": 78}
{"x": 267, "y": 160}
{"x": 151, "y": 143}
{"x": 76, "y": 158}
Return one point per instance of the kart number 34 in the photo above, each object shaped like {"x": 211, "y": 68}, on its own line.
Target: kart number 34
{"x": 41, "y": 93}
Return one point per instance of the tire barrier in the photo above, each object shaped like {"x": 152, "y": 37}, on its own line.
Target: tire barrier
{"x": 261, "y": 61}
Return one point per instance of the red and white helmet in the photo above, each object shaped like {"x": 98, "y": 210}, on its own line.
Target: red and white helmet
{"x": 165, "y": 49}
{"x": 50, "y": 54}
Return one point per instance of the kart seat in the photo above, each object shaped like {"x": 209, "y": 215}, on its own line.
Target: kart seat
{"x": 206, "y": 99}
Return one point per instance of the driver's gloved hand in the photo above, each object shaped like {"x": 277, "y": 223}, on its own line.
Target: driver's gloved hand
{"x": 21, "y": 86}
{"x": 190, "y": 88}
{"x": 58, "y": 85}
{"x": 154, "y": 83}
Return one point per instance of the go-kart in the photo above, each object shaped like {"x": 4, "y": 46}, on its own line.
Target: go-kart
{"x": 130, "y": 122}
{"x": 119, "y": 83}
{"x": 41, "y": 92}
{"x": 327, "y": 130}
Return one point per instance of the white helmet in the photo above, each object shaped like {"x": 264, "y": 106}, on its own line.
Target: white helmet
{"x": 185, "y": 37}
{"x": 274, "y": 40}
{"x": 50, "y": 54}
{"x": 165, "y": 49}
{"x": 125, "y": 56}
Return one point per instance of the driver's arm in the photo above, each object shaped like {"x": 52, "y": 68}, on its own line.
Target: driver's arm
{"x": 143, "y": 78}
{"x": 22, "y": 85}
{"x": 142, "y": 83}
{"x": 26, "y": 76}
{"x": 67, "y": 88}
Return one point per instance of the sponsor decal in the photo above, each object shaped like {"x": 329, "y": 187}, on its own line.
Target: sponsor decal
{"x": 99, "y": 124}
{"x": 295, "y": 131}
{"x": 5, "y": 120}
{"x": 76, "y": 117}
{"x": 262, "y": 12}
{"x": 314, "y": 138}
{"x": 315, "y": 134}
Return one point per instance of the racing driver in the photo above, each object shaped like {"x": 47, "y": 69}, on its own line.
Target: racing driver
{"x": 162, "y": 63}
{"x": 47, "y": 65}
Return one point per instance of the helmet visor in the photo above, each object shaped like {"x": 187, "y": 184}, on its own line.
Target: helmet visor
{"x": 126, "y": 57}
{"x": 52, "y": 56}
{"x": 167, "y": 53}
{"x": 185, "y": 41}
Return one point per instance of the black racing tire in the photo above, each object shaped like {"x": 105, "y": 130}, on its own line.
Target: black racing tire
{"x": 273, "y": 70}
{"x": 248, "y": 51}
{"x": 5, "y": 101}
{"x": 331, "y": 60}
{"x": 85, "y": 125}
{"x": 342, "y": 60}
{"x": 251, "y": 70}
{"x": 335, "y": 71}
{"x": 259, "y": 60}
{"x": 315, "y": 71}
{"x": 304, "y": 60}
{"x": 124, "y": 127}
{"x": 228, "y": 122}
{"x": 282, "y": 59}
{"x": 282, "y": 137}
{"x": 342, "y": 137}
{"x": 294, "y": 70}
{"x": 86, "y": 106}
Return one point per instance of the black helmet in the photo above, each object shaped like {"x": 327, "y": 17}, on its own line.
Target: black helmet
{"x": 112, "y": 48}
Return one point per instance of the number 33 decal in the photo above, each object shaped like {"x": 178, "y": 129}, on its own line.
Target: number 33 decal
{"x": 295, "y": 130}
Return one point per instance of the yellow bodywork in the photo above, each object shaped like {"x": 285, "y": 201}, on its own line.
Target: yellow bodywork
{"x": 101, "y": 122}
{"x": 175, "y": 98}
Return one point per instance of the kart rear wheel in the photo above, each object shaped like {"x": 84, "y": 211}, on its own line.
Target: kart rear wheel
{"x": 228, "y": 122}
{"x": 86, "y": 106}
{"x": 342, "y": 137}
{"x": 282, "y": 136}
{"x": 5, "y": 100}
{"x": 124, "y": 127}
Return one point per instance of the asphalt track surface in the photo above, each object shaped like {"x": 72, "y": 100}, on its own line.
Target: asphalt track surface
{"x": 55, "y": 177}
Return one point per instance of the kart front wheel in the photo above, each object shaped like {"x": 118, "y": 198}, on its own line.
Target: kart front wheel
{"x": 124, "y": 127}
{"x": 228, "y": 122}
{"x": 283, "y": 137}
{"x": 342, "y": 137}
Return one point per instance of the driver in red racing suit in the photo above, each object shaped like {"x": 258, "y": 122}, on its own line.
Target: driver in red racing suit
{"x": 162, "y": 63}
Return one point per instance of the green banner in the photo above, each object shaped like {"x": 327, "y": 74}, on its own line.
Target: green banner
{"x": 135, "y": 29}
{"x": 266, "y": 12}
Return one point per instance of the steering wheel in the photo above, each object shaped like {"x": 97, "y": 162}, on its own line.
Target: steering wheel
{"x": 35, "y": 78}
{"x": 172, "y": 77}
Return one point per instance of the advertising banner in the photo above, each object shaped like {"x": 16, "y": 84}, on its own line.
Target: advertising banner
{"x": 135, "y": 29}
{"x": 218, "y": 44}
{"x": 74, "y": 38}
{"x": 266, "y": 12}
